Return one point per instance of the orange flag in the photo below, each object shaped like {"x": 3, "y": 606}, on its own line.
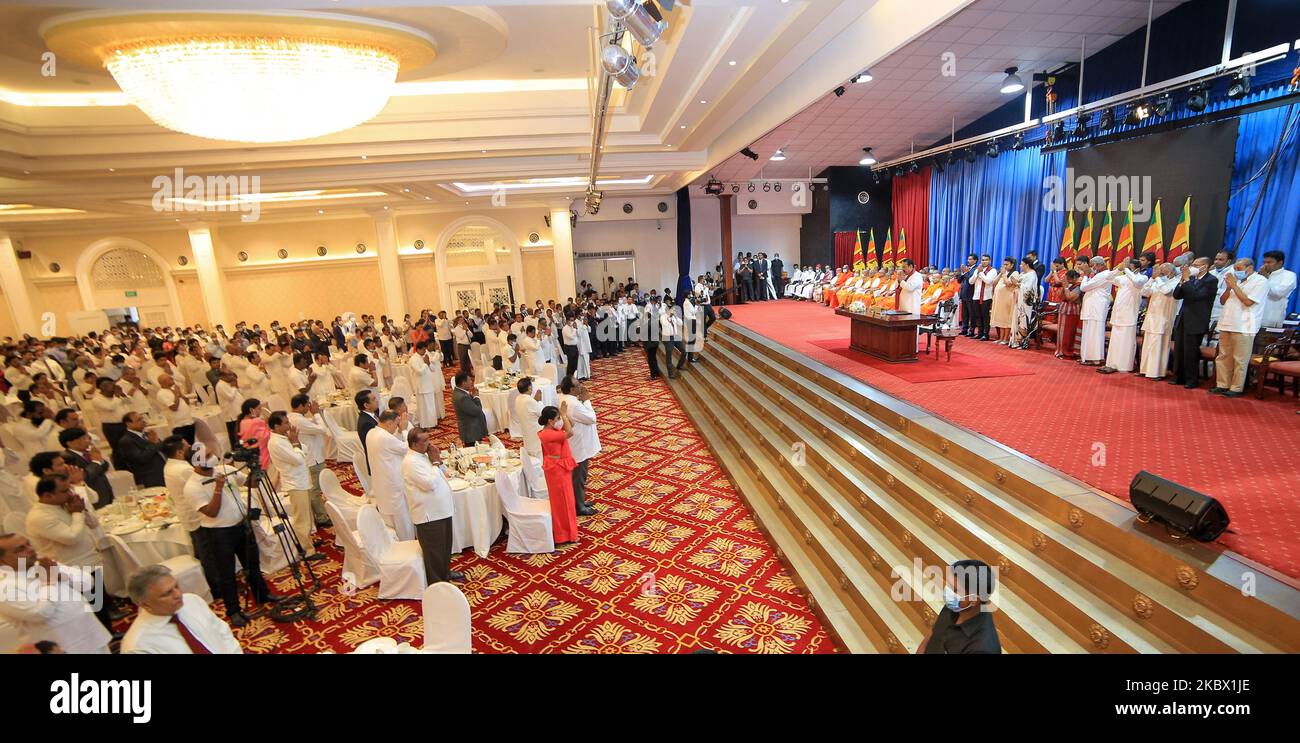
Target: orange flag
{"x": 1067, "y": 240}
{"x": 1104, "y": 242}
{"x": 858, "y": 262}
{"x": 887, "y": 256}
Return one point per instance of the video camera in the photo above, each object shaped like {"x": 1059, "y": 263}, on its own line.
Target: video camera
{"x": 248, "y": 454}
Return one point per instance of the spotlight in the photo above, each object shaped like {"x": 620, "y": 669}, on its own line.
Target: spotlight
{"x": 1163, "y": 104}
{"x": 970, "y": 154}
{"x": 867, "y": 159}
{"x": 620, "y": 65}
{"x": 839, "y": 91}
{"x": 749, "y": 153}
{"x": 938, "y": 165}
{"x": 899, "y": 172}
{"x": 751, "y": 188}
{"x": 1239, "y": 87}
{"x": 1080, "y": 126}
{"x": 875, "y": 176}
{"x": 1138, "y": 113}
{"x": 1197, "y": 98}
{"x": 767, "y": 187}
{"x": 776, "y": 187}
{"x": 735, "y": 188}
{"x": 952, "y": 157}
{"x": 1108, "y": 119}
{"x": 778, "y": 156}
{"x": 915, "y": 167}
{"x": 1058, "y": 131}
{"x": 992, "y": 150}
{"x": 638, "y": 20}
{"x": 1012, "y": 83}
{"x": 1018, "y": 142}
{"x": 862, "y": 77}
{"x": 713, "y": 187}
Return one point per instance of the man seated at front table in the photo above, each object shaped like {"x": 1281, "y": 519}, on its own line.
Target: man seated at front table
{"x": 171, "y": 622}
{"x": 965, "y": 624}
{"x": 48, "y": 601}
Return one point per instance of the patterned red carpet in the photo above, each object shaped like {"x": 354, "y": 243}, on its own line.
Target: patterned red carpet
{"x": 672, "y": 563}
{"x": 1100, "y": 429}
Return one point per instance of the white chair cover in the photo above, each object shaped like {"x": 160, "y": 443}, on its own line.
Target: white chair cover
{"x": 534, "y": 478}
{"x": 446, "y": 620}
{"x": 402, "y": 388}
{"x": 185, "y": 568}
{"x": 401, "y": 564}
{"x": 529, "y": 519}
{"x": 551, "y": 372}
{"x": 515, "y": 431}
{"x": 346, "y": 503}
{"x": 359, "y": 467}
{"x": 205, "y": 395}
{"x": 356, "y": 563}
{"x": 345, "y": 450}
{"x": 122, "y": 481}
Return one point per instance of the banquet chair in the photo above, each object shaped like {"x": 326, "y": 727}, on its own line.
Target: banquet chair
{"x": 534, "y": 479}
{"x": 358, "y": 459}
{"x": 185, "y": 568}
{"x": 514, "y": 430}
{"x": 123, "y": 482}
{"x": 205, "y": 395}
{"x": 346, "y": 503}
{"x": 402, "y": 388}
{"x": 400, "y": 563}
{"x": 529, "y": 519}
{"x": 15, "y": 523}
{"x": 551, "y": 372}
{"x": 356, "y": 562}
{"x": 446, "y": 620}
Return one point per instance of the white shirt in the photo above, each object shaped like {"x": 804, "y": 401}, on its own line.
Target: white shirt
{"x": 324, "y": 385}
{"x": 29, "y": 440}
{"x": 57, "y": 612}
{"x": 1237, "y": 317}
{"x": 359, "y": 379}
{"x": 983, "y": 279}
{"x": 427, "y": 493}
{"x": 153, "y": 634}
{"x": 526, "y": 411}
{"x": 1128, "y": 298}
{"x": 385, "y": 452}
{"x": 176, "y": 473}
{"x": 68, "y": 538}
{"x": 1217, "y": 308}
{"x": 426, "y": 373}
{"x": 181, "y": 416}
{"x": 290, "y": 462}
{"x": 312, "y": 434}
{"x": 909, "y": 297}
{"x": 230, "y": 399}
{"x": 585, "y": 441}
{"x": 1280, "y": 285}
{"x": 1096, "y": 303}
{"x": 1161, "y": 307}
{"x": 199, "y": 494}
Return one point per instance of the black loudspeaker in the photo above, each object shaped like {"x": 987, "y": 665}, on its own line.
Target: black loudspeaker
{"x": 725, "y": 314}
{"x": 1195, "y": 514}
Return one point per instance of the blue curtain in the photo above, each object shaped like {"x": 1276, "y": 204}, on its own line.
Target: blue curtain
{"x": 684, "y": 283}
{"x": 1276, "y": 224}
{"x": 995, "y": 206}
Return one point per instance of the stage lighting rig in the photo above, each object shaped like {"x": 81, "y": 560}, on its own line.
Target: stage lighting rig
{"x": 1197, "y": 98}
{"x": 749, "y": 153}
{"x": 1239, "y": 87}
{"x": 1164, "y": 102}
{"x": 620, "y": 65}
{"x": 970, "y": 154}
{"x": 839, "y": 91}
{"x": 714, "y": 187}
{"x": 1108, "y": 119}
{"x": 1080, "y": 126}
{"x": 639, "y": 20}
{"x": 1138, "y": 113}
{"x": 1018, "y": 142}
{"x": 992, "y": 149}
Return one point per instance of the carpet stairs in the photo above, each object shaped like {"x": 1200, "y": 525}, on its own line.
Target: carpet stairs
{"x": 864, "y": 495}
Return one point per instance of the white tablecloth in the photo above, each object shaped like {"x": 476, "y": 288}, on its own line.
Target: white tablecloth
{"x": 476, "y": 517}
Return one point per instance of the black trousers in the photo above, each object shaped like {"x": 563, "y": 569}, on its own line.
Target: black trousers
{"x": 967, "y": 316}
{"x": 652, "y": 357}
{"x": 710, "y": 317}
{"x": 1187, "y": 357}
{"x": 669, "y": 345}
{"x": 448, "y": 350}
{"x": 580, "y": 485}
{"x": 435, "y": 546}
{"x": 571, "y": 360}
{"x": 232, "y": 430}
{"x": 982, "y": 310}
{"x": 462, "y": 354}
{"x": 223, "y": 545}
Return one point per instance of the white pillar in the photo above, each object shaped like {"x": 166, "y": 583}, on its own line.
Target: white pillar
{"x": 211, "y": 283}
{"x": 566, "y": 283}
{"x": 390, "y": 269}
{"x": 14, "y": 285}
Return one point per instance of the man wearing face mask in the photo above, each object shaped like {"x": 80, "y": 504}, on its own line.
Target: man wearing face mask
{"x": 1197, "y": 289}
{"x": 1243, "y": 311}
{"x": 965, "y": 625}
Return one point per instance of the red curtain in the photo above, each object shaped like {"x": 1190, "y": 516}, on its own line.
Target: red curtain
{"x": 844, "y": 248}
{"x": 912, "y": 215}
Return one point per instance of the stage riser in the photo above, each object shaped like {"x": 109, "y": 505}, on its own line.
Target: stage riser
{"x": 890, "y": 476}
{"x": 1194, "y": 572}
{"x": 911, "y": 535}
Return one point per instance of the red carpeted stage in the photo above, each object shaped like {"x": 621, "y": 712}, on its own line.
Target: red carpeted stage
{"x": 1099, "y": 429}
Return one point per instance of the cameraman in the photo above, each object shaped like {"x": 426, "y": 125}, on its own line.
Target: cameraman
{"x": 226, "y": 536}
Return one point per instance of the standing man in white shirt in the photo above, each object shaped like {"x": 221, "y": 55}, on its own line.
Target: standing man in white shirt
{"x": 171, "y": 622}
{"x": 983, "y": 280}
{"x": 1128, "y": 279}
{"x": 1096, "y": 305}
{"x": 526, "y": 408}
{"x": 230, "y": 398}
{"x": 385, "y": 451}
{"x": 442, "y": 333}
{"x": 584, "y": 443}
{"x": 322, "y": 378}
{"x": 305, "y": 417}
{"x": 1159, "y": 321}
{"x": 1223, "y": 261}
{"x": 1281, "y": 283}
{"x": 1243, "y": 310}
{"x": 295, "y": 480}
{"x": 175, "y": 407}
{"x": 428, "y": 497}
{"x": 427, "y": 368}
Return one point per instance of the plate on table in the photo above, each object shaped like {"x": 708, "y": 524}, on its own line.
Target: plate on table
{"x": 458, "y": 484}
{"x": 127, "y": 527}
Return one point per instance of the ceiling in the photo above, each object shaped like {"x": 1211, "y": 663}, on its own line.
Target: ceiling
{"x": 911, "y": 101}
{"x": 508, "y": 100}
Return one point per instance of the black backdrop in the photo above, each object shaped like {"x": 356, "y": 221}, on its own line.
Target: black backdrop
{"x": 1195, "y": 161}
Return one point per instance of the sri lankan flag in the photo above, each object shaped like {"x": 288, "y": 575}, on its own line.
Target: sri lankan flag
{"x": 872, "y": 263}
{"x": 1084, "y": 250}
{"x": 858, "y": 262}
{"x": 1155, "y": 239}
{"x": 1180, "y": 243}
{"x": 1067, "y": 240}
{"x": 887, "y": 256}
{"x": 902, "y": 246}
{"x": 1124, "y": 248}
{"x": 1105, "y": 239}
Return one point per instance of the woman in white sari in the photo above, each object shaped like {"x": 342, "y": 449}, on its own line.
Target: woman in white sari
{"x": 1026, "y": 281}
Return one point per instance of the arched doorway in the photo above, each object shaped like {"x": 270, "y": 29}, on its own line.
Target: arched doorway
{"x": 120, "y": 275}
{"x": 478, "y": 264}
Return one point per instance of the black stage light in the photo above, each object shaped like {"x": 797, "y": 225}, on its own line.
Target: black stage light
{"x": 1163, "y": 104}
{"x": 1138, "y": 113}
{"x": 1239, "y": 87}
{"x": 938, "y": 164}
{"x": 1197, "y": 98}
{"x": 839, "y": 91}
{"x": 914, "y": 167}
{"x": 952, "y": 156}
{"x": 767, "y": 187}
{"x": 1081, "y": 126}
{"x": 777, "y": 187}
{"x": 899, "y": 172}
{"x": 992, "y": 149}
{"x": 713, "y": 188}
{"x": 749, "y": 153}
{"x": 1108, "y": 119}
{"x": 970, "y": 154}
{"x": 875, "y": 176}
{"x": 1018, "y": 142}
{"x": 1058, "y": 131}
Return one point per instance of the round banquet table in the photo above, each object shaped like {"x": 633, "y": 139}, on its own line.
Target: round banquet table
{"x": 476, "y": 514}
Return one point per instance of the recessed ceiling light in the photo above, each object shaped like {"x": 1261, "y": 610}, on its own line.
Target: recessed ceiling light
{"x": 112, "y": 170}
{"x": 27, "y": 172}
{"x": 406, "y": 190}
{"x": 385, "y": 208}
{"x": 703, "y": 101}
{"x": 732, "y": 63}
{"x": 683, "y": 126}
{"x": 483, "y": 151}
{"x": 363, "y": 157}
{"x": 320, "y": 211}
{"x": 428, "y": 198}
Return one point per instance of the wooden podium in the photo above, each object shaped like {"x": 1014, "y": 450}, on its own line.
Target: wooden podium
{"x": 890, "y": 338}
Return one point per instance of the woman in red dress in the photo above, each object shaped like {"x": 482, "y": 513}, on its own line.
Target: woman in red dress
{"x": 558, "y": 466}
{"x": 1056, "y": 282}
{"x": 250, "y": 425}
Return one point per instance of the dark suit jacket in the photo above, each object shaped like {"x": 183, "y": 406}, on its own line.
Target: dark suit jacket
{"x": 470, "y": 420}
{"x": 1198, "y": 297}
{"x": 142, "y": 458}
{"x": 365, "y": 422}
{"x": 96, "y": 477}
{"x": 777, "y": 267}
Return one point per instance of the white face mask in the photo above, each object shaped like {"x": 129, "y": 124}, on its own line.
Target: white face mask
{"x": 1194, "y": 271}
{"x": 557, "y": 424}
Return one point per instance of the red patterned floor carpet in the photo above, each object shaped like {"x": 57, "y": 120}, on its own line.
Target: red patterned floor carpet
{"x": 1100, "y": 429}
{"x": 672, "y": 563}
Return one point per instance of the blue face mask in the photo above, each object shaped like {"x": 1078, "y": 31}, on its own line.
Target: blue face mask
{"x": 952, "y": 600}
{"x": 1241, "y": 275}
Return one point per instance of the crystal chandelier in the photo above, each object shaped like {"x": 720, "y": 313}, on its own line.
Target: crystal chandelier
{"x": 255, "y": 89}
{"x": 257, "y": 76}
